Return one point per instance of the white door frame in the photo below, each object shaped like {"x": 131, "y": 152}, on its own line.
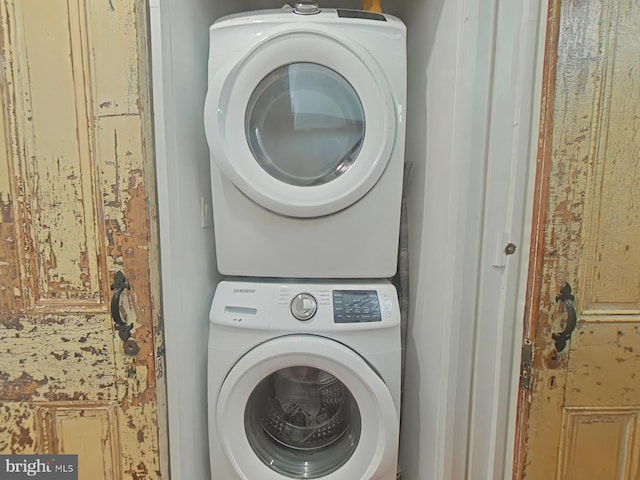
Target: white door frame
{"x": 479, "y": 75}
{"x": 508, "y": 204}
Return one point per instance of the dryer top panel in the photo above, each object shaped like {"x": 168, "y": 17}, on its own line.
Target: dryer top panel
{"x": 324, "y": 16}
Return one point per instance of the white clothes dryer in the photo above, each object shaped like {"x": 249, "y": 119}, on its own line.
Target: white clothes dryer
{"x": 304, "y": 381}
{"x": 305, "y": 120}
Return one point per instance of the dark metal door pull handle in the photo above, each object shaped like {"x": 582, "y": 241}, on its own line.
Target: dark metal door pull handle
{"x": 119, "y": 285}
{"x": 567, "y": 299}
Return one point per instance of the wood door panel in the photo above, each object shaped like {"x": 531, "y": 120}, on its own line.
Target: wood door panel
{"x": 77, "y": 206}
{"x": 582, "y": 409}
{"x": 56, "y": 357}
{"x": 577, "y": 83}
{"x": 613, "y": 201}
{"x": 89, "y": 430}
{"x": 53, "y": 163}
{"x": 116, "y": 77}
{"x": 599, "y": 443}
{"x": 11, "y": 301}
{"x": 604, "y": 365}
{"x": 567, "y": 146}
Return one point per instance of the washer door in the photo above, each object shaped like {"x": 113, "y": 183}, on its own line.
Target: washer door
{"x": 303, "y": 406}
{"x": 302, "y": 123}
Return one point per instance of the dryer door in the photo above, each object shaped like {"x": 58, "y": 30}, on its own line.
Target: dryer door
{"x": 303, "y": 406}
{"x": 302, "y": 123}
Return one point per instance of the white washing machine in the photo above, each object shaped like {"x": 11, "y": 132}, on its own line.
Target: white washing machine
{"x": 305, "y": 120}
{"x": 304, "y": 381}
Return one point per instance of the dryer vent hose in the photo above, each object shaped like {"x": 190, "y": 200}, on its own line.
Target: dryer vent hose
{"x": 371, "y": 5}
{"x": 401, "y": 280}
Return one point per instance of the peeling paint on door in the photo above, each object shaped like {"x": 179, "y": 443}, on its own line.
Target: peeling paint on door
{"x": 581, "y": 418}
{"x": 77, "y": 206}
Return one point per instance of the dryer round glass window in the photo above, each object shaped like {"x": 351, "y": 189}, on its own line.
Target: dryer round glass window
{"x": 302, "y": 422}
{"x": 304, "y": 124}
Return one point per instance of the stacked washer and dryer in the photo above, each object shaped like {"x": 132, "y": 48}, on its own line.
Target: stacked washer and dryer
{"x": 305, "y": 121}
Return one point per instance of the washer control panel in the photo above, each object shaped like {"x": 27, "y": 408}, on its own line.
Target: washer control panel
{"x": 304, "y": 306}
{"x": 354, "y": 306}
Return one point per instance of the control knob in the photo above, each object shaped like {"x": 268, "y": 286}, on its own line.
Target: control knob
{"x": 304, "y": 306}
{"x": 306, "y": 8}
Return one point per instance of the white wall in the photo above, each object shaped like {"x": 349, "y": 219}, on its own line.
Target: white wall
{"x": 179, "y": 50}
{"x": 454, "y": 119}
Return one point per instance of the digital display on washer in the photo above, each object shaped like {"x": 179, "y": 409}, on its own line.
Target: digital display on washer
{"x": 356, "y": 306}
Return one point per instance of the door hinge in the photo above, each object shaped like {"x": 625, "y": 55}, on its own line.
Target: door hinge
{"x": 526, "y": 363}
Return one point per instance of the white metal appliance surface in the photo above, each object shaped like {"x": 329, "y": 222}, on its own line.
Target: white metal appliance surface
{"x": 304, "y": 380}
{"x": 304, "y": 117}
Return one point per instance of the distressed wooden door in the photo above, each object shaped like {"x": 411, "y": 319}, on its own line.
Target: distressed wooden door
{"x": 581, "y": 418}
{"x": 76, "y": 207}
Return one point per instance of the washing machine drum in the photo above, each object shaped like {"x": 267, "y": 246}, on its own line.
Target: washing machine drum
{"x": 302, "y": 123}
{"x": 302, "y": 406}
{"x": 302, "y": 412}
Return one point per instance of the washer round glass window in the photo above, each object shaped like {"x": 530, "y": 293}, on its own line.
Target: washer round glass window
{"x": 305, "y": 124}
{"x": 302, "y": 422}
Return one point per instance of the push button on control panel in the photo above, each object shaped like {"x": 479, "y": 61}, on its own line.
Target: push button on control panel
{"x": 304, "y": 306}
